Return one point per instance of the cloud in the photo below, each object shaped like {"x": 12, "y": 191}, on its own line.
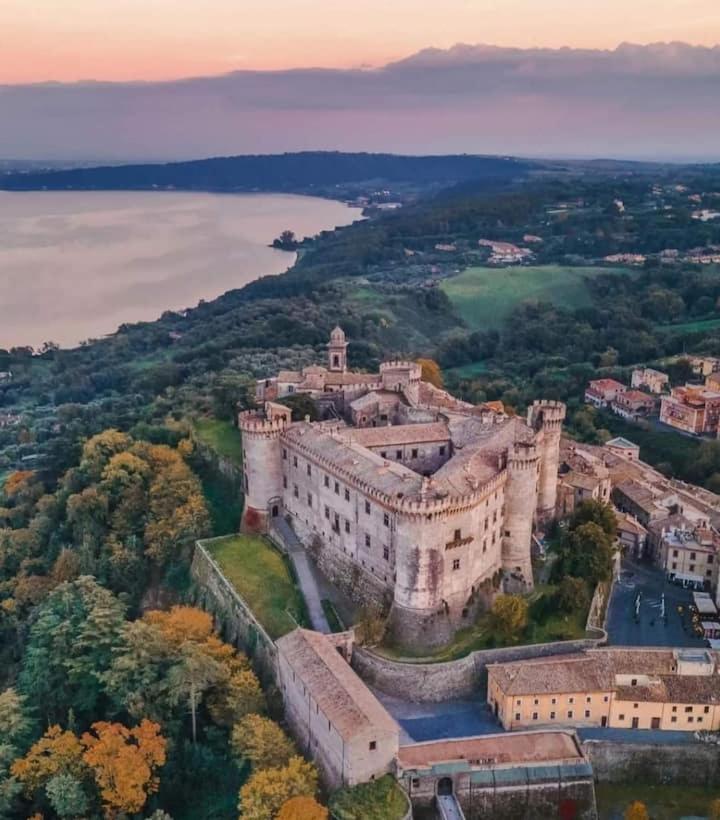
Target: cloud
{"x": 637, "y": 101}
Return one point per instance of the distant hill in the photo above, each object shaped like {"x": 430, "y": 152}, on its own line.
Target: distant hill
{"x": 304, "y": 171}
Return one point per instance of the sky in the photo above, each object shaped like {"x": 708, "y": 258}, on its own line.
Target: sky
{"x": 70, "y": 40}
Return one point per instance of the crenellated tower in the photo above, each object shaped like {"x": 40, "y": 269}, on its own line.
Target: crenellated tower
{"x": 546, "y": 418}
{"x": 521, "y": 492}
{"x": 262, "y": 463}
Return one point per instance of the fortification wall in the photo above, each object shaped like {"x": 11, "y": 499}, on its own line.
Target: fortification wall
{"x": 234, "y": 617}
{"x": 464, "y": 678}
{"x": 686, "y": 764}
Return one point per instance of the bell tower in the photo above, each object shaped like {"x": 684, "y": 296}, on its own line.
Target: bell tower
{"x": 337, "y": 351}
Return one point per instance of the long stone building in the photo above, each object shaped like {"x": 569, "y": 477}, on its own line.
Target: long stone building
{"x": 403, "y": 493}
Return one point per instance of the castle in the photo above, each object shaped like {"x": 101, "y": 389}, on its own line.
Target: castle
{"x": 403, "y": 493}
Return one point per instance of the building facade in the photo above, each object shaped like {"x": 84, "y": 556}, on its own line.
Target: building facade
{"x": 425, "y": 499}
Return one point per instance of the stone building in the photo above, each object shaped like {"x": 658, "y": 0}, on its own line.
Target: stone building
{"x": 404, "y": 493}
{"x": 628, "y": 688}
{"x": 653, "y": 380}
{"x": 335, "y": 718}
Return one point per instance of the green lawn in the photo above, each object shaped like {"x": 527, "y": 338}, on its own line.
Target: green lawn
{"x": 377, "y": 800}
{"x": 662, "y": 802}
{"x": 221, "y": 436}
{"x": 261, "y": 575}
{"x": 698, "y": 326}
{"x": 484, "y": 297}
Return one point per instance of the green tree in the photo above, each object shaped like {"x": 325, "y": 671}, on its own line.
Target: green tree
{"x": 67, "y": 796}
{"x": 509, "y": 615}
{"x": 262, "y": 742}
{"x": 573, "y": 594}
{"x": 596, "y": 512}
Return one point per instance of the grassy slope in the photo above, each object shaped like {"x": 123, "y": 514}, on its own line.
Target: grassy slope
{"x": 662, "y": 802}
{"x": 262, "y": 577}
{"x": 222, "y": 437}
{"x": 484, "y": 297}
{"x": 378, "y": 800}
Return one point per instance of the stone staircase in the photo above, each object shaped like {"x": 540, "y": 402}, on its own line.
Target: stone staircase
{"x": 285, "y": 534}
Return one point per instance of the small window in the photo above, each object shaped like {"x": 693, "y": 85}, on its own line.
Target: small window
{"x": 347, "y": 495}
{"x": 386, "y": 553}
{"x": 588, "y": 699}
{"x": 284, "y": 454}
{"x": 674, "y": 708}
{"x": 605, "y": 698}
{"x": 386, "y": 519}
{"x": 691, "y": 719}
{"x": 673, "y": 719}
{"x": 294, "y": 461}
{"x": 347, "y": 526}
{"x": 415, "y": 782}
{"x": 553, "y": 701}
{"x": 706, "y": 710}
{"x": 633, "y": 682}
{"x": 536, "y": 702}
{"x": 309, "y": 469}
{"x": 398, "y": 454}
{"x": 675, "y": 553}
{"x": 688, "y": 709}
{"x": 517, "y": 715}
{"x": 414, "y": 453}
{"x": 587, "y": 713}
{"x": 570, "y": 714}
{"x": 534, "y": 715}
{"x": 296, "y": 492}
{"x": 458, "y": 535}
{"x": 327, "y": 513}
{"x": 309, "y": 499}
{"x": 621, "y": 717}
{"x": 571, "y": 700}
{"x": 367, "y": 508}
{"x": 367, "y": 540}
{"x": 383, "y": 453}
{"x": 456, "y": 563}
{"x": 442, "y": 449}
{"x": 337, "y": 488}
{"x": 284, "y": 482}
{"x": 373, "y": 745}
{"x": 327, "y": 481}
{"x": 552, "y": 715}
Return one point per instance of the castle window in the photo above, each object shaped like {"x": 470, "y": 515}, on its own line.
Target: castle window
{"x": 487, "y": 523}
{"x": 688, "y": 708}
{"x": 692, "y": 567}
{"x": 386, "y": 519}
{"x": 706, "y": 710}
{"x": 517, "y": 715}
{"x": 284, "y": 454}
{"x": 347, "y": 526}
{"x": 327, "y": 480}
{"x": 367, "y": 540}
{"x": 691, "y": 719}
{"x": 692, "y": 556}
{"x": 571, "y": 700}
{"x": 673, "y": 719}
{"x": 456, "y": 563}
{"x": 552, "y": 715}
{"x": 327, "y": 513}
{"x": 588, "y": 700}
{"x": 367, "y": 508}
{"x": 309, "y": 469}
{"x": 442, "y": 450}
{"x": 621, "y": 717}
{"x": 553, "y": 701}
{"x": 296, "y": 492}
{"x": 414, "y": 453}
{"x": 398, "y": 454}
{"x": 710, "y": 559}
{"x": 337, "y": 488}
{"x": 383, "y": 454}
{"x": 458, "y": 535}
{"x": 587, "y": 713}
{"x": 535, "y": 716}
{"x": 494, "y": 516}
{"x": 294, "y": 461}
{"x": 347, "y": 495}
{"x": 484, "y": 544}
{"x": 507, "y": 533}
{"x": 284, "y": 482}
{"x": 675, "y": 553}
{"x": 386, "y": 553}
{"x": 674, "y": 708}
{"x": 633, "y": 682}
{"x": 570, "y": 714}
{"x": 309, "y": 499}
{"x": 372, "y": 745}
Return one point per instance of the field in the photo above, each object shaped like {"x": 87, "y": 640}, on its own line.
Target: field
{"x": 222, "y": 437}
{"x": 485, "y": 297}
{"x": 662, "y": 802}
{"x": 262, "y": 577}
{"x": 698, "y": 326}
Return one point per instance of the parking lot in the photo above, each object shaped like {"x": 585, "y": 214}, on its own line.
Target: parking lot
{"x": 648, "y": 628}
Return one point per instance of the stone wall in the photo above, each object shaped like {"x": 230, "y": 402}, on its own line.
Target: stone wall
{"x": 687, "y": 764}
{"x": 235, "y": 618}
{"x": 435, "y": 682}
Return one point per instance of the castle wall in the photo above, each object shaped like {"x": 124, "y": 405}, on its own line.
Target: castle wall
{"x": 422, "y": 458}
{"x": 521, "y": 499}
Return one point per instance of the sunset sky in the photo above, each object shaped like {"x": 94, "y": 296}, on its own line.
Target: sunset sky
{"x": 67, "y": 40}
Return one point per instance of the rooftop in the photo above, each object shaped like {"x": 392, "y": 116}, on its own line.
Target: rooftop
{"x": 399, "y": 434}
{"x": 344, "y": 699}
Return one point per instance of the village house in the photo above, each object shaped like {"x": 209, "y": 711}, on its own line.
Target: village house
{"x": 690, "y": 554}
{"x": 582, "y": 476}
{"x": 628, "y": 688}
{"x": 693, "y": 409}
{"x": 602, "y": 392}
{"x": 633, "y": 404}
{"x": 652, "y": 380}
{"x": 624, "y": 448}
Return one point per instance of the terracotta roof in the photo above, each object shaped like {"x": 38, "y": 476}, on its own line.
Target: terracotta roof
{"x": 555, "y": 675}
{"x": 289, "y": 376}
{"x": 518, "y": 747}
{"x": 400, "y": 434}
{"x": 341, "y": 695}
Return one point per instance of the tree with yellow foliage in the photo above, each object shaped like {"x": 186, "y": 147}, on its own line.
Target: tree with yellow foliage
{"x": 57, "y": 752}
{"x": 714, "y": 809}
{"x": 262, "y": 742}
{"x": 267, "y": 790}
{"x": 125, "y": 763}
{"x": 302, "y": 808}
{"x": 430, "y": 372}
{"x": 636, "y": 811}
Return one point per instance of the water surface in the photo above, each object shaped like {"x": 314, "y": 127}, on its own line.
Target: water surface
{"x": 76, "y": 265}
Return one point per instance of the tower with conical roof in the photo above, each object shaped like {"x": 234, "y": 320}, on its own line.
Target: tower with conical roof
{"x": 337, "y": 351}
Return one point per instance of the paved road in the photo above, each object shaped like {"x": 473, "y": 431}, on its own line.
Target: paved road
{"x": 434, "y": 721}
{"x": 624, "y": 629}
{"x": 449, "y": 807}
{"x": 305, "y": 575}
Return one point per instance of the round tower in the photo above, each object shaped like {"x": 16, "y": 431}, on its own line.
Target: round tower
{"x": 520, "y": 501}
{"x": 546, "y": 418}
{"x": 262, "y": 464}
{"x": 337, "y": 351}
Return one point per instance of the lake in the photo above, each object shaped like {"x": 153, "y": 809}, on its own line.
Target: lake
{"x": 76, "y": 265}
